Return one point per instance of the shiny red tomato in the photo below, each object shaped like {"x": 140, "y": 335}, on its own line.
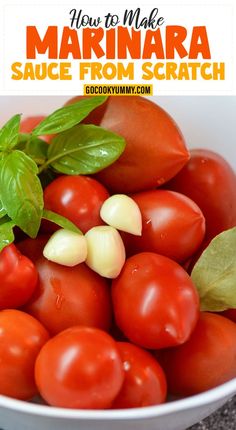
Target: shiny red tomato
{"x": 78, "y": 198}
{"x": 155, "y": 302}
{"x": 68, "y": 296}
{"x": 145, "y": 382}
{"x": 206, "y": 360}
{"x": 80, "y": 368}
{"x": 155, "y": 149}
{"x": 18, "y": 278}
{"x": 173, "y": 225}
{"x": 210, "y": 181}
{"x": 30, "y": 122}
{"x": 21, "y": 338}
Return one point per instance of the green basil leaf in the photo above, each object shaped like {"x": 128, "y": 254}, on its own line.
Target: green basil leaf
{"x": 6, "y": 233}
{"x": 85, "y": 149}
{"x": 61, "y": 221}
{"x": 68, "y": 116}
{"x": 33, "y": 146}
{"x": 3, "y": 212}
{"x": 21, "y": 191}
{"x": 9, "y": 133}
{"x": 214, "y": 274}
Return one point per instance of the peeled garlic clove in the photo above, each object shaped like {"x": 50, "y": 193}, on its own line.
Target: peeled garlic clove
{"x": 123, "y": 213}
{"x": 106, "y": 251}
{"x": 66, "y": 247}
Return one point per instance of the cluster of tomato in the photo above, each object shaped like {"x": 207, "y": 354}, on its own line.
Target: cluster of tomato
{"x": 121, "y": 345}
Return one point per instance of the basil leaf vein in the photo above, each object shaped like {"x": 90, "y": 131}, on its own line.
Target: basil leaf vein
{"x": 86, "y": 149}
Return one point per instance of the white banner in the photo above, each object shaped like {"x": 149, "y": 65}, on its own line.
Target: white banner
{"x": 175, "y": 49}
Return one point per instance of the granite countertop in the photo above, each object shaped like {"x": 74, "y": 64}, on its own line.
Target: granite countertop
{"x": 223, "y": 419}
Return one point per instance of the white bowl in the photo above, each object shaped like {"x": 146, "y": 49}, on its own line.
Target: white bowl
{"x": 176, "y": 415}
{"x": 206, "y": 122}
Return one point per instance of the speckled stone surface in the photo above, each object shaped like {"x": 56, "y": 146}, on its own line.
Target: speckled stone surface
{"x": 223, "y": 419}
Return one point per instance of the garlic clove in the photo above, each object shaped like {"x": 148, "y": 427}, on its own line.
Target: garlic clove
{"x": 122, "y": 212}
{"x": 106, "y": 251}
{"x": 66, "y": 247}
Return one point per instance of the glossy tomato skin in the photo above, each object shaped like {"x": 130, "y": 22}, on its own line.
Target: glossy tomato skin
{"x": 18, "y": 278}
{"x": 21, "y": 338}
{"x": 206, "y": 360}
{"x": 210, "y": 181}
{"x": 78, "y": 198}
{"x": 173, "y": 225}
{"x": 145, "y": 382}
{"x": 155, "y": 302}
{"x": 155, "y": 148}
{"x": 80, "y": 368}
{"x": 68, "y": 296}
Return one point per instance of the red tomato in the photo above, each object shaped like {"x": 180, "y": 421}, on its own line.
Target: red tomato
{"x": 230, "y": 313}
{"x": 33, "y": 248}
{"x": 79, "y": 368}
{"x": 173, "y": 225}
{"x": 145, "y": 382}
{"x": 210, "y": 181}
{"x": 78, "y": 198}
{"x": 21, "y": 338}
{"x": 155, "y": 149}
{"x": 155, "y": 302}
{"x": 29, "y": 123}
{"x": 206, "y": 360}
{"x": 68, "y": 296}
{"x": 18, "y": 277}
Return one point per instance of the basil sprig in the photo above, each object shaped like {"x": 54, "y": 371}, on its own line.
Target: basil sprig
{"x": 27, "y": 163}
{"x": 33, "y": 146}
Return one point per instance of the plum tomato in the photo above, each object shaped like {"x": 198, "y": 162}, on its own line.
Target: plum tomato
{"x": 18, "y": 277}
{"x": 21, "y": 338}
{"x": 230, "y": 313}
{"x": 145, "y": 382}
{"x": 173, "y": 225}
{"x": 33, "y": 248}
{"x": 210, "y": 181}
{"x": 206, "y": 360}
{"x": 68, "y": 296}
{"x": 155, "y": 148}
{"x": 78, "y": 198}
{"x": 155, "y": 301}
{"x": 79, "y": 368}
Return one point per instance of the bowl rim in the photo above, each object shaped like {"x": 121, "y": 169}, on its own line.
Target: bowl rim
{"x": 221, "y": 392}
